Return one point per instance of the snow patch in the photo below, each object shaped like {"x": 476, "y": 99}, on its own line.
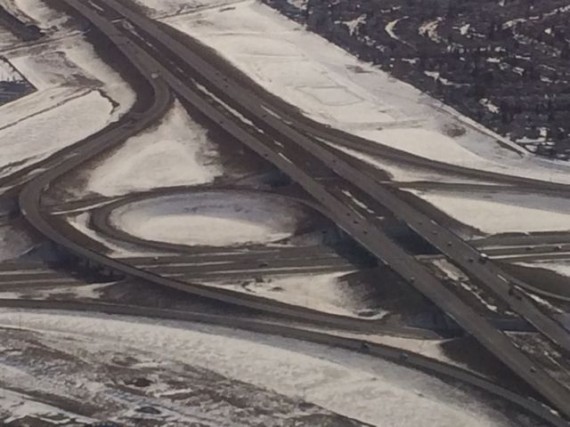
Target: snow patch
{"x": 19, "y": 406}
{"x": 36, "y": 12}
{"x": 322, "y": 292}
{"x": 335, "y": 88}
{"x": 176, "y": 152}
{"x": 34, "y": 139}
{"x": 178, "y": 7}
{"x": 209, "y": 218}
{"x": 8, "y": 73}
{"x": 92, "y": 291}
{"x": 77, "y": 95}
{"x": 355, "y": 23}
{"x": 357, "y": 386}
{"x": 503, "y": 212}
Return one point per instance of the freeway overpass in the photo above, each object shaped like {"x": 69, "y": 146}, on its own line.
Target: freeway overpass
{"x": 264, "y": 128}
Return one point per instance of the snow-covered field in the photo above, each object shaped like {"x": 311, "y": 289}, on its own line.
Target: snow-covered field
{"x": 175, "y": 152}
{"x": 217, "y": 377}
{"x": 404, "y": 173}
{"x": 503, "y": 212}
{"x": 12, "y": 83}
{"x": 77, "y": 94}
{"x": 326, "y": 292}
{"x": 81, "y": 222}
{"x": 35, "y": 138}
{"x": 210, "y": 218}
{"x": 335, "y": 88}
{"x": 36, "y": 12}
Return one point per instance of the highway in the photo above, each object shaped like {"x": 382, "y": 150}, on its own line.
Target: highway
{"x": 194, "y": 268}
{"x": 339, "y": 139}
{"x": 351, "y": 342}
{"x": 302, "y": 148}
{"x": 542, "y": 252}
{"x": 527, "y": 247}
{"x": 317, "y": 169}
{"x": 543, "y": 282}
{"x": 102, "y": 208}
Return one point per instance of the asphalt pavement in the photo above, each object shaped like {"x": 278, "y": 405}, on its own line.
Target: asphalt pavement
{"x": 301, "y": 157}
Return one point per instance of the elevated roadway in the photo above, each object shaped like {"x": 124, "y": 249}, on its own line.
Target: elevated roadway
{"x": 198, "y": 268}
{"x": 300, "y": 150}
{"x": 300, "y": 158}
{"x": 351, "y": 342}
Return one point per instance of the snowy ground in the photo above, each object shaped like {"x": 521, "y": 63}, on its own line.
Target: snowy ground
{"x": 176, "y": 152}
{"x": 215, "y": 377}
{"x": 210, "y": 218}
{"x": 560, "y": 267}
{"x": 328, "y": 293}
{"x": 335, "y": 88}
{"x": 8, "y": 73}
{"x": 77, "y": 95}
{"x": 36, "y": 12}
{"x": 56, "y": 291}
{"x": 81, "y": 222}
{"x": 503, "y": 212}
{"x": 13, "y": 242}
{"x": 7, "y": 39}
{"x": 404, "y": 173}
{"x": 164, "y": 8}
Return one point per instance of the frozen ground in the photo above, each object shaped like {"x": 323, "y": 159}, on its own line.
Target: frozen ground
{"x": 7, "y": 39}
{"x": 162, "y": 8}
{"x": 176, "y": 152}
{"x": 216, "y": 377}
{"x": 13, "y": 242}
{"x": 36, "y": 12}
{"x": 503, "y": 212}
{"x": 459, "y": 279}
{"x": 37, "y": 137}
{"x": 335, "y": 88}
{"x": 12, "y": 83}
{"x": 53, "y": 290}
{"x": 404, "y": 173}
{"x": 431, "y": 348}
{"x": 210, "y": 218}
{"x": 77, "y": 95}
{"x": 8, "y": 73}
{"x": 328, "y": 293}
{"x": 114, "y": 248}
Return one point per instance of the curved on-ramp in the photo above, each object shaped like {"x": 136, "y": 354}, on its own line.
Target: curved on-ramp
{"x": 359, "y": 228}
{"x": 392, "y": 354}
{"x": 30, "y": 202}
{"x": 31, "y": 196}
